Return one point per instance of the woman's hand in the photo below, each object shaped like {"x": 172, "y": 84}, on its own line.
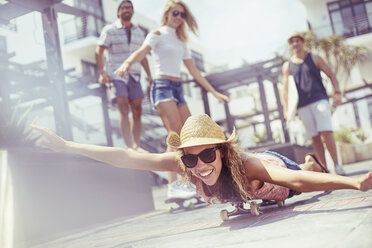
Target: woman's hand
{"x": 366, "y": 182}
{"x": 221, "y": 97}
{"x": 53, "y": 142}
{"x": 123, "y": 70}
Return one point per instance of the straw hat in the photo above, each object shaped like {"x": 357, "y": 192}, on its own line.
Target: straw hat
{"x": 296, "y": 34}
{"x": 199, "y": 130}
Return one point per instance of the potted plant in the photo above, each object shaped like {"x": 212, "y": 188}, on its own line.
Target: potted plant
{"x": 353, "y": 146}
{"x": 14, "y": 129}
{"x": 362, "y": 148}
{"x": 345, "y": 146}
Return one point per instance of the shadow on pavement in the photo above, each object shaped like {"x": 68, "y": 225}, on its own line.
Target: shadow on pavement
{"x": 357, "y": 173}
{"x": 309, "y": 206}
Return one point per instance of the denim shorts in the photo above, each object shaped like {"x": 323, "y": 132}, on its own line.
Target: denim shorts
{"x": 131, "y": 88}
{"x": 163, "y": 90}
{"x": 290, "y": 165}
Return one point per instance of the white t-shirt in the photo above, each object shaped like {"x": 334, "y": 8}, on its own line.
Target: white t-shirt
{"x": 168, "y": 50}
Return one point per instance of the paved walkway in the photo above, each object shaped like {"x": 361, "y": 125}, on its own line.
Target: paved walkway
{"x": 320, "y": 219}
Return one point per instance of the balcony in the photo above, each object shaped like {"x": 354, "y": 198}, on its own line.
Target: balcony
{"x": 11, "y": 25}
{"x": 351, "y": 27}
{"x": 82, "y": 27}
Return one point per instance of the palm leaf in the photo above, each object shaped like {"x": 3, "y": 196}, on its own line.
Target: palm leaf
{"x": 15, "y": 131}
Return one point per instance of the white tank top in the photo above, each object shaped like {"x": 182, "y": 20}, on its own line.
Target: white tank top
{"x": 168, "y": 50}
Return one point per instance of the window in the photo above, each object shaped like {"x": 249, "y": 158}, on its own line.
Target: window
{"x": 83, "y": 26}
{"x": 350, "y": 17}
{"x": 198, "y": 60}
{"x": 94, "y": 7}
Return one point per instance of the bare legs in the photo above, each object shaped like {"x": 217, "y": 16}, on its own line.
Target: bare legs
{"x": 311, "y": 165}
{"x": 173, "y": 118}
{"x": 130, "y": 131}
{"x": 329, "y": 140}
{"x": 319, "y": 149}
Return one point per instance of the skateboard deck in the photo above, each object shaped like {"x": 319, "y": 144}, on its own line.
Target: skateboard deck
{"x": 184, "y": 203}
{"x": 292, "y": 99}
{"x": 254, "y": 208}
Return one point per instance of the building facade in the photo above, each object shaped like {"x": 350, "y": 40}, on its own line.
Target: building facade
{"x": 23, "y": 39}
{"x": 351, "y": 19}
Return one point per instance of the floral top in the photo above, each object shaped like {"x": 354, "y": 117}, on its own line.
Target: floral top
{"x": 268, "y": 191}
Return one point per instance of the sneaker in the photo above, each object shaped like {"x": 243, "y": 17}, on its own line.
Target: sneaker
{"x": 339, "y": 170}
{"x": 180, "y": 190}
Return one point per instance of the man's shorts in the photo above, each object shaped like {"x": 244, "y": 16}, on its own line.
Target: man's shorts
{"x": 163, "y": 90}
{"x": 131, "y": 88}
{"x": 316, "y": 117}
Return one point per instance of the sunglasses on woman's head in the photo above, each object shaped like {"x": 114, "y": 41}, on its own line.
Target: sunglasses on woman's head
{"x": 207, "y": 156}
{"x": 176, "y": 13}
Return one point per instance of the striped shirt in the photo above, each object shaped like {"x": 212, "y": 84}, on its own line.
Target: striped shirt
{"x": 115, "y": 39}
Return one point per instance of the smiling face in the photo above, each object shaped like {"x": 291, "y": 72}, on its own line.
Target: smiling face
{"x": 297, "y": 44}
{"x": 125, "y": 11}
{"x": 175, "y": 21}
{"x": 207, "y": 172}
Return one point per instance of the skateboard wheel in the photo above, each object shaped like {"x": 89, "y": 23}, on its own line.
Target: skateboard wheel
{"x": 170, "y": 210}
{"x": 280, "y": 204}
{"x": 224, "y": 215}
{"x": 191, "y": 205}
{"x": 254, "y": 209}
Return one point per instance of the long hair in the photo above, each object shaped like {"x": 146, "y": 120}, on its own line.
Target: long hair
{"x": 232, "y": 183}
{"x": 181, "y": 29}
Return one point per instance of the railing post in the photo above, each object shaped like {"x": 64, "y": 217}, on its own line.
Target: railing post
{"x": 56, "y": 73}
{"x": 106, "y": 117}
{"x": 205, "y": 101}
{"x": 264, "y": 108}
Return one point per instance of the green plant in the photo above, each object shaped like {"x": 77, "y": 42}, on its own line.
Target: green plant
{"x": 360, "y": 134}
{"x": 14, "y": 128}
{"x": 260, "y": 137}
{"x": 344, "y": 136}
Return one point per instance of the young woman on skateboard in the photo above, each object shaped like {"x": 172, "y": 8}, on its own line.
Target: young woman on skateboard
{"x": 217, "y": 166}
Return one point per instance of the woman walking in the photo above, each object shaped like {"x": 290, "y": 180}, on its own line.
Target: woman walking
{"x": 168, "y": 45}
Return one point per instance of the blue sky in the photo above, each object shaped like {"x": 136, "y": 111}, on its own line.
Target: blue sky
{"x": 233, "y": 30}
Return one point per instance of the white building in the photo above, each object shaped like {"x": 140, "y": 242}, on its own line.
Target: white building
{"x": 78, "y": 39}
{"x": 351, "y": 19}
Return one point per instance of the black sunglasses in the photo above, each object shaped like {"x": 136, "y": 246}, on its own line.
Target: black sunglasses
{"x": 207, "y": 156}
{"x": 176, "y": 13}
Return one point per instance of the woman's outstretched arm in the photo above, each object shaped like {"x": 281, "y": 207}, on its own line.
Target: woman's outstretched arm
{"x": 111, "y": 155}
{"x": 203, "y": 82}
{"x": 304, "y": 181}
{"x": 137, "y": 56}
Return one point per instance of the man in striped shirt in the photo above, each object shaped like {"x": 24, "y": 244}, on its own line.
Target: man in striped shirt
{"x": 121, "y": 39}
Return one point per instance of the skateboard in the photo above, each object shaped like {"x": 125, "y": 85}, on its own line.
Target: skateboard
{"x": 292, "y": 99}
{"x": 184, "y": 204}
{"x": 254, "y": 208}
